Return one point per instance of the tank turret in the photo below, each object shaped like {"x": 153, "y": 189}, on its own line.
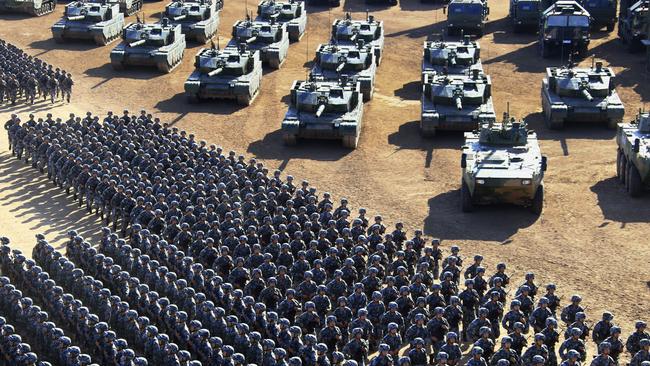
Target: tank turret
{"x": 199, "y": 19}
{"x": 100, "y": 22}
{"x": 291, "y": 12}
{"x": 348, "y": 31}
{"x": 269, "y": 37}
{"x": 451, "y": 57}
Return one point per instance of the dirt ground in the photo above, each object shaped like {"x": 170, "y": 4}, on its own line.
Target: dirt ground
{"x": 591, "y": 239}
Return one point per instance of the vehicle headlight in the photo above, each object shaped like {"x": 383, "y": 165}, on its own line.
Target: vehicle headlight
{"x": 525, "y": 182}
{"x": 450, "y": 25}
{"x": 480, "y": 181}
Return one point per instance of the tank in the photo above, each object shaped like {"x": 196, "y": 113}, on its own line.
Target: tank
{"x": 270, "y": 38}
{"x": 466, "y": 16}
{"x": 230, "y": 73}
{"x": 324, "y": 110}
{"x": 456, "y": 102}
{"x": 633, "y": 156}
{"x": 291, "y": 12}
{"x": 355, "y": 62}
{"x": 564, "y": 28}
{"x": 129, "y": 7}
{"x": 155, "y": 44}
{"x": 348, "y": 31}
{"x": 199, "y": 19}
{"x": 451, "y": 57}
{"x": 603, "y": 13}
{"x": 524, "y": 14}
{"x": 580, "y": 95}
{"x": 502, "y": 163}
{"x": 100, "y": 22}
{"x": 31, "y": 7}
{"x": 633, "y": 25}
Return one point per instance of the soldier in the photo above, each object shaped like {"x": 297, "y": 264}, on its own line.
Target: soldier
{"x": 603, "y": 358}
{"x": 485, "y": 342}
{"x": 633, "y": 341}
{"x": 602, "y": 328}
{"x": 569, "y": 312}
{"x": 573, "y": 358}
{"x": 573, "y": 343}
{"x": 331, "y": 334}
{"x": 643, "y": 355}
{"x": 66, "y": 87}
{"x": 357, "y": 348}
{"x": 417, "y": 354}
{"x": 477, "y": 357}
{"x": 505, "y": 353}
{"x": 615, "y": 344}
{"x": 536, "y": 349}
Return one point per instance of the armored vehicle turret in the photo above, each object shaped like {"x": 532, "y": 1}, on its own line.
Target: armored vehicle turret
{"x": 291, "y": 12}
{"x": 456, "y": 102}
{"x": 356, "y": 62}
{"x": 31, "y": 7}
{"x": 324, "y": 110}
{"x": 348, "y": 31}
{"x": 101, "y": 22}
{"x": 230, "y": 73}
{"x": 633, "y": 25}
{"x": 199, "y": 19}
{"x": 451, "y": 57}
{"x": 603, "y": 13}
{"x": 502, "y": 163}
{"x": 270, "y": 38}
{"x": 154, "y": 44}
{"x": 467, "y": 16}
{"x": 525, "y": 14}
{"x": 633, "y": 159}
{"x": 580, "y": 95}
{"x": 564, "y": 28}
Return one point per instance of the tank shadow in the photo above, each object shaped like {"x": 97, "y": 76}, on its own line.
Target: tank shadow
{"x": 410, "y": 91}
{"x": 180, "y": 105}
{"x": 363, "y": 5}
{"x": 617, "y": 205}
{"x": 420, "y": 32}
{"x": 107, "y": 73}
{"x": 408, "y": 137}
{"x": 272, "y": 147}
{"x": 525, "y": 59}
{"x": 14, "y": 16}
{"x": 72, "y": 45}
{"x": 419, "y": 5}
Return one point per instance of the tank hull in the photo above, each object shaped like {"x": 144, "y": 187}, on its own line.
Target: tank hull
{"x": 365, "y": 78}
{"x": 201, "y": 86}
{"x": 297, "y": 27}
{"x": 273, "y": 54}
{"x": 201, "y": 31}
{"x": 164, "y": 58}
{"x": 101, "y": 33}
{"x": 34, "y": 8}
{"x": 445, "y": 117}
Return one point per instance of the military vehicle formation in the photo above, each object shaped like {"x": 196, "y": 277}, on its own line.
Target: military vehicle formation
{"x": 31, "y": 7}
{"x": 633, "y": 159}
{"x": 348, "y": 31}
{"x": 199, "y": 19}
{"x": 291, "y": 12}
{"x": 564, "y": 28}
{"x": 100, "y": 22}
{"x": 270, "y": 38}
{"x": 467, "y": 17}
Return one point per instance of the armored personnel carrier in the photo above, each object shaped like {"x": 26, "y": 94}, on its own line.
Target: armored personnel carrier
{"x": 451, "y": 57}
{"x": 291, "y": 12}
{"x": 347, "y": 31}
{"x": 101, "y": 22}
{"x": 467, "y": 16}
{"x": 524, "y": 14}
{"x": 633, "y": 25}
{"x": 564, "y": 27}
{"x": 324, "y": 110}
{"x": 199, "y": 19}
{"x": 356, "y": 62}
{"x": 31, "y": 7}
{"x": 456, "y": 102}
{"x": 581, "y": 95}
{"x": 502, "y": 163}
{"x": 270, "y": 38}
{"x": 633, "y": 159}
{"x": 155, "y": 44}
{"x": 231, "y": 73}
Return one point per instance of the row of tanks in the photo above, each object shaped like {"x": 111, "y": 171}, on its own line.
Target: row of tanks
{"x": 329, "y": 104}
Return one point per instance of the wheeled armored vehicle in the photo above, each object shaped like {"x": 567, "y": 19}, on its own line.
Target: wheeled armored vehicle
{"x": 525, "y": 14}
{"x": 31, "y": 7}
{"x": 270, "y": 38}
{"x": 291, "y": 12}
{"x": 100, "y": 22}
{"x": 467, "y": 17}
{"x": 347, "y": 31}
{"x": 633, "y": 154}
{"x": 451, "y": 57}
{"x": 564, "y": 28}
{"x": 199, "y": 19}
{"x": 603, "y": 13}
{"x": 633, "y": 25}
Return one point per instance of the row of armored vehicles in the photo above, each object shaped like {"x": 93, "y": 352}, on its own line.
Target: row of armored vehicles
{"x": 329, "y": 104}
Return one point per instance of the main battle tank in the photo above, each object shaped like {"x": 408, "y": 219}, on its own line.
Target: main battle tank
{"x": 291, "y": 12}
{"x": 348, "y": 31}
{"x": 32, "y": 7}
{"x": 633, "y": 159}
{"x": 580, "y": 95}
{"x": 451, "y": 57}
{"x": 231, "y": 73}
{"x": 564, "y": 27}
{"x": 356, "y": 62}
{"x": 502, "y": 163}
{"x": 270, "y": 38}
{"x": 101, "y": 22}
{"x": 199, "y": 19}
{"x": 324, "y": 110}
{"x": 156, "y": 44}
{"x": 456, "y": 102}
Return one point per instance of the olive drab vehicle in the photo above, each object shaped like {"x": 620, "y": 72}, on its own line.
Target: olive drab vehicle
{"x": 571, "y": 94}
{"x": 466, "y": 16}
{"x": 633, "y": 24}
{"x": 100, "y": 22}
{"x": 633, "y": 159}
{"x": 199, "y": 19}
{"x": 291, "y": 12}
{"x": 525, "y": 14}
{"x": 230, "y": 73}
{"x": 324, "y": 110}
{"x": 155, "y": 44}
{"x": 356, "y": 62}
{"x": 269, "y": 37}
{"x": 451, "y": 57}
{"x": 348, "y": 31}
{"x": 31, "y": 7}
{"x": 456, "y": 102}
{"x": 502, "y": 163}
{"x": 564, "y": 28}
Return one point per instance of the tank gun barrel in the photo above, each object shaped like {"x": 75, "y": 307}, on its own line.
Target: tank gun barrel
{"x": 215, "y": 71}
{"x": 353, "y": 37}
{"x": 251, "y": 40}
{"x": 320, "y": 110}
{"x": 459, "y": 102}
{"x": 76, "y": 17}
{"x": 137, "y": 43}
{"x": 180, "y": 17}
{"x": 340, "y": 67}
{"x": 587, "y": 95}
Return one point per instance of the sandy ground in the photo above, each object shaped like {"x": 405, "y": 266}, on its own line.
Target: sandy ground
{"x": 591, "y": 239}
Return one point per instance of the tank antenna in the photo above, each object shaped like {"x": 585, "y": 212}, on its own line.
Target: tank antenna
{"x": 593, "y": 61}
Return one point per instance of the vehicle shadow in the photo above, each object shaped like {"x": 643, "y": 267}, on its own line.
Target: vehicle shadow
{"x": 180, "y": 105}
{"x": 617, "y": 205}
{"x": 107, "y": 73}
{"x": 14, "y": 16}
{"x": 318, "y": 6}
{"x": 410, "y": 91}
{"x": 632, "y": 66}
{"x": 68, "y": 45}
{"x": 408, "y": 137}
{"x": 355, "y": 6}
{"x": 419, "y": 32}
{"x": 420, "y": 5}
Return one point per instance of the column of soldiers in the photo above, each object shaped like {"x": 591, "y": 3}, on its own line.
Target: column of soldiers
{"x": 13, "y": 351}
{"x": 30, "y": 78}
{"x": 278, "y": 273}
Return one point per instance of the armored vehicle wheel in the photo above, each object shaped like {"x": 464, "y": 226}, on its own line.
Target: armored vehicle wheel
{"x": 289, "y": 139}
{"x": 538, "y": 201}
{"x": 550, "y": 123}
{"x": 466, "y": 198}
{"x": 244, "y": 100}
{"x": 634, "y": 183}
{"x": 367, "y": 95}
{"x": 351, "y": 142}
{"x": 101, "y": 40}
{"x": 117, "y": 65}
{"x": 621, "y": 163}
